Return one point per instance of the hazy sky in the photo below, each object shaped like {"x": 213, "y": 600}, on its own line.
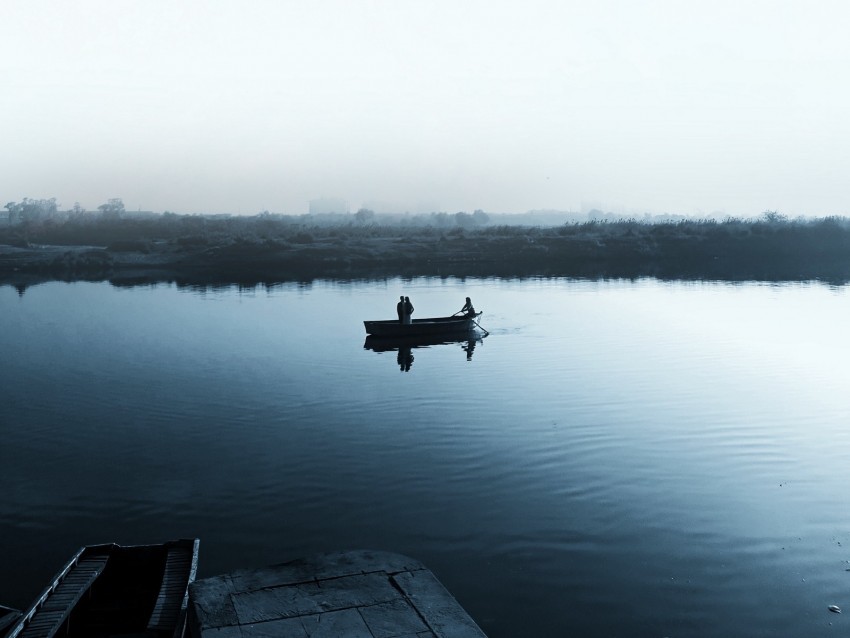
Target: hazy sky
{"x": 225, "y": 106}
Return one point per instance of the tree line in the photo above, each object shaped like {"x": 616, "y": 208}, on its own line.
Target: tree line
{"x": 36, "y": 211}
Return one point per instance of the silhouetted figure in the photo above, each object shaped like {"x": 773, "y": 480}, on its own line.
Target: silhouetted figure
{"x": 404, "y": 359}
{"x": 399, "y": 307}
{"x": 408, "y": 310}
{"x": 467, "y": 309}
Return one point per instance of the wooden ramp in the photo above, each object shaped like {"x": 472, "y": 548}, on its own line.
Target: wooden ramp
{"x": 358, "y": 594}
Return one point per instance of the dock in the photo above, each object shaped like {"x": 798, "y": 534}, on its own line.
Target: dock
{"x": 360, "y": 594}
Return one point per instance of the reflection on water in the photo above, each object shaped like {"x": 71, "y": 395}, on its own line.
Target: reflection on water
{"x": 624, "y": 458}
{"x": 405, "y": 346}
{"x": 469, "y": 348}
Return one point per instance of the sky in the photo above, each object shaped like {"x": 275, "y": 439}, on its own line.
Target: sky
{"x": 219, "y": 106}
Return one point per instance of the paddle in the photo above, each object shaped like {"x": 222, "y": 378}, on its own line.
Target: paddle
{"x": 486, "y": 332}
{"x": 480, "y": 326}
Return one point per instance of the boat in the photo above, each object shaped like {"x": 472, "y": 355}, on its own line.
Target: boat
{"x": 427, "y": 326}
{"x": 110, "y": 590}
{"x": 7, "y": 617}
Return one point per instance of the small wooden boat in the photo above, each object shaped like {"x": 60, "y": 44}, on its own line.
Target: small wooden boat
{"x": 7, "y": 617}
{"x": 427, "y": 326}
{"x": 110, "y": 590}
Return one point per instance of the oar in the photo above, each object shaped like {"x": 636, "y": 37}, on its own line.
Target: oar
{"x": 479, "y": 325}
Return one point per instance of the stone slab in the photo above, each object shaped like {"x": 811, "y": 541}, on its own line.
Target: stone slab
{"x": 360, "y": 594}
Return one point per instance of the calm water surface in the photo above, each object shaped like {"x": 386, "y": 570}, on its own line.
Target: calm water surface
{"x": 616, "y": 458}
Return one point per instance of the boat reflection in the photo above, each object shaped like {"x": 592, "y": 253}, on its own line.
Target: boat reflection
{"x": 405, "y": 346}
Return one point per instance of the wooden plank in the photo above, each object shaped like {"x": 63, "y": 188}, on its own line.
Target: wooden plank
{"x": 61, "y": 599}
{"x": 75, "y": 579}
{"x": 175, "y": 577}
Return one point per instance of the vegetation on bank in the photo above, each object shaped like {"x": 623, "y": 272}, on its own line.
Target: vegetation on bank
{"x": 269, "y": 247}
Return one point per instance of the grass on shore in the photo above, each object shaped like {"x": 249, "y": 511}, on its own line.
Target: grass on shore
{"x": 769, "y": 247}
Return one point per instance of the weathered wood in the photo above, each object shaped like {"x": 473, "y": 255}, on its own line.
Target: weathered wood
{"x": 354, "y": 594}
{"x": 428, "y": 326}
{"x": 58, "y": 601}
{"x": 8, "y": 615}
{"x": 119, "y": 587}
{"x": 170, "y": 608}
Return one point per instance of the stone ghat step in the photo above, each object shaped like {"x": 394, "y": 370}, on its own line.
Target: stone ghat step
{"x": 359, "y": 594}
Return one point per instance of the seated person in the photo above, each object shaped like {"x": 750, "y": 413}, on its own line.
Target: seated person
{"x": 467, "y": 308}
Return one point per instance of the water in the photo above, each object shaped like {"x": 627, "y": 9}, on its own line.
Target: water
{"x": 617, "y": 458}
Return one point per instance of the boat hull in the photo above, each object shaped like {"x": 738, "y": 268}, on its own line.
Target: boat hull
{"x": 7, "y": 617}
{"x": 421, "y": 327}
{"x": 111, "y": 589}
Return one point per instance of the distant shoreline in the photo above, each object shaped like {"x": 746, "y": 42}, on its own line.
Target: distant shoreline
{"x": 262, "y": 253}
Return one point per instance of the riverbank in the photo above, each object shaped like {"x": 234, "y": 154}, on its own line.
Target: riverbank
{"x": 768, "y": 250}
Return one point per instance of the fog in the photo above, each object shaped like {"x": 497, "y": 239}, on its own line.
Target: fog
{"x": 226, "y": 107}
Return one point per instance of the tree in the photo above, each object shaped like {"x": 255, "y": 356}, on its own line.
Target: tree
{"x": 480, "y": 217}
{"x": 12, "y": 207}
{"x": 440, "y": 220}
{"x": 774, "y": 217}
{"x": 77, "y": 212}
{"x": 31, "y": 211}
{"x": 364, "y": 216}
{"x": 463, "y": 220}
{"x": 112, "y": 209}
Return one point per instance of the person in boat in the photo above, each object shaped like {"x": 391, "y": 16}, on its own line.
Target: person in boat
{"x": 467, "y": 309}
{"x": 408, "y": 310}
{"x": 399, "y": 307}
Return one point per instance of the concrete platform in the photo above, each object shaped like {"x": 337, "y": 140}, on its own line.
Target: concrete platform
{"x": 358, "y": 594}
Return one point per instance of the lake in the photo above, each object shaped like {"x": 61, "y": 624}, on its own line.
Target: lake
{"x": 615, "y": 458}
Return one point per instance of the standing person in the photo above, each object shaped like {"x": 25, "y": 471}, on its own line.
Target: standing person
{"x": 399, "y": 308}
{"x": 408, "y": 310}
{"x": 467, "y": 308}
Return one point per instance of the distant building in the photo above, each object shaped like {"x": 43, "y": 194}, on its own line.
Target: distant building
{"x": 328, "y": 205}
{"x": 421, "y": 207}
